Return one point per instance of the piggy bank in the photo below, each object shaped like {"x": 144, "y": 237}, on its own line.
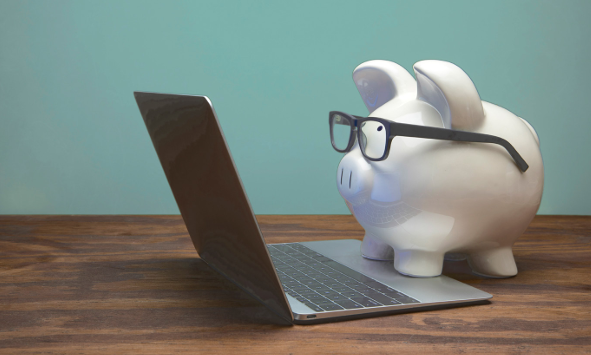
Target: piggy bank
{"x": 423, "y": 197}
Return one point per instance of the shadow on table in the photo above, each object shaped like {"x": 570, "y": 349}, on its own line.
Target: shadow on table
{"x": 201, "y": 294}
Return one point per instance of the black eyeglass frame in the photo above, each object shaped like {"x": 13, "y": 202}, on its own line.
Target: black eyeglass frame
{"x": 394, "y": 129}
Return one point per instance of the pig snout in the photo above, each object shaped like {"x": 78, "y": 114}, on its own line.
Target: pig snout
{"x": 354, "y": 178}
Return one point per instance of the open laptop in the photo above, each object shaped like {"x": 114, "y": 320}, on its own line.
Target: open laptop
{"x": 306, "y": 282}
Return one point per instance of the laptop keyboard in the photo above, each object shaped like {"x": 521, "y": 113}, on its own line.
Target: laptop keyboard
{"x": 326, "y": 285}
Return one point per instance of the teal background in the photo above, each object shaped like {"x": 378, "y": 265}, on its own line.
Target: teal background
{"x": 73, "y": 142}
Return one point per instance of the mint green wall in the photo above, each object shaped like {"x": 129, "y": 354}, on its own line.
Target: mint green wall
{"x": 72, "y": 140}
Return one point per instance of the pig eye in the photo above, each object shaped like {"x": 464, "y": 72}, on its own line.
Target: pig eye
{"x": 380, "y": 128}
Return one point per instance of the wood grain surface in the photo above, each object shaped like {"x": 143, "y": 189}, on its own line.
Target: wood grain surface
{"x": 134, "y": 284}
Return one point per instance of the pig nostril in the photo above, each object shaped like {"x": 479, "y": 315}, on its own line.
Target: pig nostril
{"x": 350, "y": 175}
{"x": 342, "y": 176}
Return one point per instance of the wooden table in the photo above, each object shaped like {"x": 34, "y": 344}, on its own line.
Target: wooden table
{"x": 134, "y": 284}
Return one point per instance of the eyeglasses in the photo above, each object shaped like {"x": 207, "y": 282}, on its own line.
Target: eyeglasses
{"x": 375, "y": 136}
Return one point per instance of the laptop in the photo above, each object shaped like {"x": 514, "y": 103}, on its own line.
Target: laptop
{"x": 303, "y": 283}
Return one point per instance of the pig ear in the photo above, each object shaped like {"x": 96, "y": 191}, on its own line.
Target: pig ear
{"x": 379, "y": 81}
{"x": 449, "y": 89}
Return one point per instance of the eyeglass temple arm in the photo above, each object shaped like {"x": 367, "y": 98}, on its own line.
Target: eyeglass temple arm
{"x": 406, "y": 130}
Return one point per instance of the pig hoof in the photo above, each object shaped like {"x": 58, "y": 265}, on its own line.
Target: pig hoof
{"x": 417, "y": 263}
{"x": 495, "y": 263}
{"x": 374, "y": 249}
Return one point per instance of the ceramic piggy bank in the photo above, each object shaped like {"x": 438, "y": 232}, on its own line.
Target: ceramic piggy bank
{"x": 433, "y": 170}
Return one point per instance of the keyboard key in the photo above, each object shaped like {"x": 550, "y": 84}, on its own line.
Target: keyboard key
{"x": 315, "y": 298}
{"x": 351, "y": 294}
{"x": 359, "y": 287}
{"x": 282, "y": 247}
{"x": 327, "y": 292}
{"x": 367, "y": 302}
{"x": 390, "y": 302}
{"x": 335, "y": 297}
{"x": 342, "y": 289}
{"x": 289, "y": 284}
{"x": 295, "y": 262}
{"x": 313, "y": 306}
{"x": 275, "y": 252}
{"x": 383, "y": 289}
{"x": 348, "y": 304}
{"x": 311, "y": 283}
{"x": 316, "y": 275}
{"x": 305, "y": 279}
{"x": 330, "y": 306}
{"x": 301, "y": 289}
{"x": 406, "y": 299}
{"x": 374, "y": 284}
{"x": 383, "y": 299}
{"x": 318, "y": 287}
{"x": 342, "y": 277}
{"x": 294, "y": 273}
{"x": 332, "y": 284}
{"x": 306, "y": 270}
{"x": 324, "y": 280}
{"x": 352, "y": 283}
{"x": 306, "y": 292}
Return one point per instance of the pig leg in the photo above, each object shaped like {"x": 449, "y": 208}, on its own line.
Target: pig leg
{"x": 418, "y": 263}
{"x": 374, "y": 249}
{"x": 498, "y": 262}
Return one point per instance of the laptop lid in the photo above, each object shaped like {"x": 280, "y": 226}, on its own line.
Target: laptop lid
{"x": 205, "y": 183}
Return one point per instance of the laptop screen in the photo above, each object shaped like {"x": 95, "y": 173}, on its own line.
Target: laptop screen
{"x": 196, "y": 160}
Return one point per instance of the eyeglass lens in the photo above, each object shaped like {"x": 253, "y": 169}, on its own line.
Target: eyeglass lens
{"x": 341, "y": 131}
{"x": 373, "y": 139}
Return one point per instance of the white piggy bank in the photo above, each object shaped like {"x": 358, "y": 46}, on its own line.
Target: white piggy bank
{"x": 430, "y": 197}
